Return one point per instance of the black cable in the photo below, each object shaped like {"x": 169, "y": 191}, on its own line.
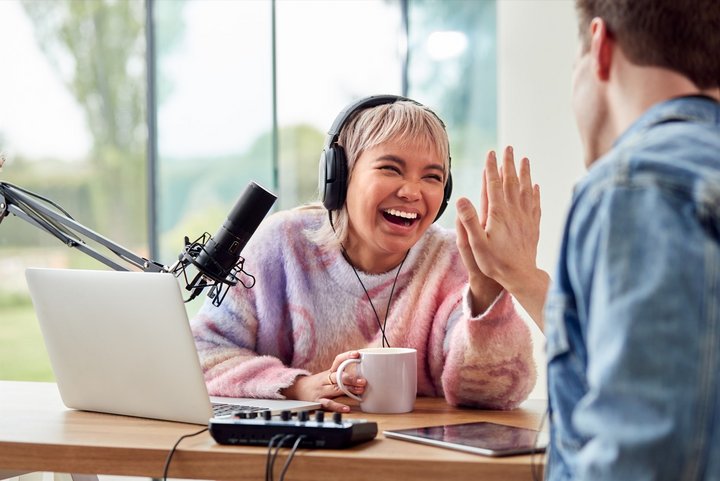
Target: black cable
{"x": 41, "y": 219}
{"x": 271, "y": 443}
{"x": 392, "y": 290}
{"x": 279, "y": 446}
{"x": 290, "y": 457}
{"x": 172, "y": 451}
{"x": 385, "y": 342}
{"x": 38, "y": 196}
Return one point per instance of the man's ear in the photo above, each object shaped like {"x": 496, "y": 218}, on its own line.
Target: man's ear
{"x": 601, "y": 48}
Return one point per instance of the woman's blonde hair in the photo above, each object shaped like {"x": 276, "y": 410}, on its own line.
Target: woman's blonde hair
{"x": 403, "y": 121}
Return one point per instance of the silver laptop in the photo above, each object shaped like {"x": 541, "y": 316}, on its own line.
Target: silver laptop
{"x": 120, "y": 342}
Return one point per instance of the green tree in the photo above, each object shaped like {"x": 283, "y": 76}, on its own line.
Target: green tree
{"x": 97, "y": 47}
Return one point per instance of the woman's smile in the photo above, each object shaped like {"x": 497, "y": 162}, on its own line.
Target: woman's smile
{"x": 401, "y": 217}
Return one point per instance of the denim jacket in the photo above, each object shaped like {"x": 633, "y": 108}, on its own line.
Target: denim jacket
{"x": 633, "y": 314}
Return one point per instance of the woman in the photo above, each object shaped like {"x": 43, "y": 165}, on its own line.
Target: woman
{"x": 368, "y": 268}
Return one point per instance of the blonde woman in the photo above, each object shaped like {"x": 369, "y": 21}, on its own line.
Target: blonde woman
{"x": 368, "y": 267}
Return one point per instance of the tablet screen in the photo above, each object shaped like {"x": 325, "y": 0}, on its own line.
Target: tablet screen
{"x": 485, "y": 438}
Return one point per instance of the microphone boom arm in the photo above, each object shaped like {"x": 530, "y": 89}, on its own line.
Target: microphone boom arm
{"x": 216, "y": 258}
{"x": 25, "y": 205}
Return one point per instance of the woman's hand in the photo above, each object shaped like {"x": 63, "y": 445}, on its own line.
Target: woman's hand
{"x": 501, "y": 240}
{"x": 322, "y": 387}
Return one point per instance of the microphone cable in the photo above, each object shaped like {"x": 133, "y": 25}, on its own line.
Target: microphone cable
{"x": 290, "y": 457}
{"x": 39, "y": 197}
{"x": 270, "y": 459}
{"x": 172, "y": 451}
{"x": 272, "y": 455}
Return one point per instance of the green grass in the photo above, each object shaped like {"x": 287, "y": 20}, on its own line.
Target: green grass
{"x": 22, "y": 351}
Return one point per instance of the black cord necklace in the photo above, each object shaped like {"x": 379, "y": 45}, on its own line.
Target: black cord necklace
{"x": 381, "y": 325}
{"x": 385, "y": 342}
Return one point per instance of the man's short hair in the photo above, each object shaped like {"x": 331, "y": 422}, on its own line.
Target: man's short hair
{"x": 680, "y": 35}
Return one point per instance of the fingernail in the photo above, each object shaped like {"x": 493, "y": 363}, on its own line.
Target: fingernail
{"x": 346, "y": 409}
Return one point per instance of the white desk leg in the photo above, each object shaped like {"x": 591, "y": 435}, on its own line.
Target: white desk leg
{"x": 74, "y": 477}
{"x": 11, "y": 474}
{"x": 38, "y": 476}
{"x": 25, "y": 476}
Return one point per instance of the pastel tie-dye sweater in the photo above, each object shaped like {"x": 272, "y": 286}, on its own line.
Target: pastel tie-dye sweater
{"x": 307, "y": 306}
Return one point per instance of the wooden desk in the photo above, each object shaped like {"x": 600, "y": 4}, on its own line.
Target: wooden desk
{"x": 37, "y": 433}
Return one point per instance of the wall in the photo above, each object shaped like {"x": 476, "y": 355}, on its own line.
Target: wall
{"x": 537, "y": 44}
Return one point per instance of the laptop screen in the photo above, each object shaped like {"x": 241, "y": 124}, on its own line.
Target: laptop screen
{"x": 120, "y": 342}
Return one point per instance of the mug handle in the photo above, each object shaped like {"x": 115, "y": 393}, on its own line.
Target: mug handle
{"x": 338, "y": 378}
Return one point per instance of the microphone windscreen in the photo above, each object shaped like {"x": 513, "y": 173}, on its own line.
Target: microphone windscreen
{"x": 222, "y": 251}
{"x": 249, "y": 211}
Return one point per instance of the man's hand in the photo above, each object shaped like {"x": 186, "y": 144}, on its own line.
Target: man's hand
{"x": 501, "y": 240}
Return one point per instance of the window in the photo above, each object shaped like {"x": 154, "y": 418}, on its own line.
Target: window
{"x": 452, "y": 67}
{"x": 73, "y": 129}
{"x": 242, "y": 91}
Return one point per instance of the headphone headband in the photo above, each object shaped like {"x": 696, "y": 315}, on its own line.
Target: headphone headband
{"x": 362, "y": 104}
{"x": 333, "y": 162}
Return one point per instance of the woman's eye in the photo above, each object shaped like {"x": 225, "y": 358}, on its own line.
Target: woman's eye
{"x": 434, "y": 177}
{"x": 391, "y": 168}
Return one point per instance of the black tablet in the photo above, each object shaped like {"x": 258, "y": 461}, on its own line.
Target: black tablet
{"x": 488, "y": 439}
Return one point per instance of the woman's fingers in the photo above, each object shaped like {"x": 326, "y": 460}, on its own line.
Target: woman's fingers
{"x": 340, "y": 358}
{"x": 354, "y": 383}
{"x": 330, "y": 405}
{"x": 493, "y": 183}
{"x": 467, "y": 251}
{"x": 484, "y": 194}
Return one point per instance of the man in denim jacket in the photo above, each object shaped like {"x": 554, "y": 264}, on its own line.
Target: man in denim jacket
{"x": 633, "y": 315}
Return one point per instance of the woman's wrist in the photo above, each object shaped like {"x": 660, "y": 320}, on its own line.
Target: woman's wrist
{"x": 291, "y": 392}
{"x": 483, "y": 292}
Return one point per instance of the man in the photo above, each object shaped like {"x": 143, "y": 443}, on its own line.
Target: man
{"x": 633, "y": 315}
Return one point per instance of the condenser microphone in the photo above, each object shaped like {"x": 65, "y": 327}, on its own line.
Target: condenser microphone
{"x": 222, "y": 251}
{"x": 217, "y": 258}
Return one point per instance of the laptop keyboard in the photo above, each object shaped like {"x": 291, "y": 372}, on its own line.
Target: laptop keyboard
{"x": 220, "y": 410}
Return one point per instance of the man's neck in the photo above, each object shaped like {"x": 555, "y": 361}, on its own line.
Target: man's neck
{"x": 633, "y": 89}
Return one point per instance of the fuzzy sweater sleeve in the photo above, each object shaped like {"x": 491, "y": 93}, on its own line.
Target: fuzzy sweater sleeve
{"x": 489, "y": 362}
{"x": 226, "y": 336}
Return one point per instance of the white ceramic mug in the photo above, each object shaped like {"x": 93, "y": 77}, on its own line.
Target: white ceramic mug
{"x": 391, "y": 374}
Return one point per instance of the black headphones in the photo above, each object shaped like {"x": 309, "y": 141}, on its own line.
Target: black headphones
{"x": 333, "y": 177}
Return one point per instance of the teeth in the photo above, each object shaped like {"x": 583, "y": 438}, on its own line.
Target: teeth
{"x": 404, "y": 215}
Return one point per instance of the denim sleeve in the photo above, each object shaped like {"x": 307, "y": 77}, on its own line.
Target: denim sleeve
{"x": 648, "y": 274}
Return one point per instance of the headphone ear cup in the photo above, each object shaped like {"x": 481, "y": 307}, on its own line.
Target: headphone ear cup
{"x": 333, "y": 177}
{"x": 446, "y": 197}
